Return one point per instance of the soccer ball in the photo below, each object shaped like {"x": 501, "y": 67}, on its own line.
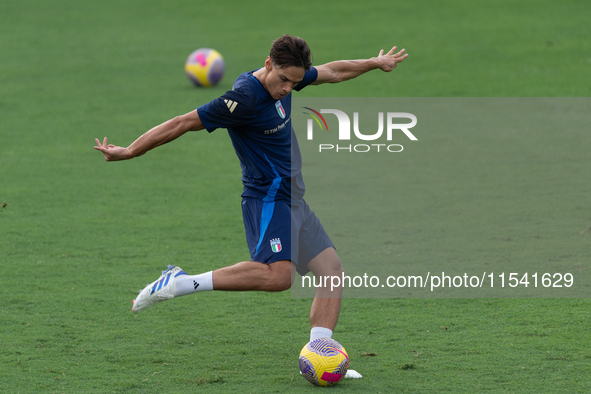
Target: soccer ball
{"x": 205, "y": 67}
{"x": 323, "y": 362}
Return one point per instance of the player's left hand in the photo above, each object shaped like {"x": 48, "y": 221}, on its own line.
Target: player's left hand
{"x": 390, "y": 60}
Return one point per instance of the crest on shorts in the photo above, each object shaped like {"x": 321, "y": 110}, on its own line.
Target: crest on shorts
{"x": 276, "y": 245}
{"x": 280, "y": 109}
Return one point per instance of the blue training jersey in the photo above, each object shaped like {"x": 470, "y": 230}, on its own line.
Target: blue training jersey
{"x": 262, "y": 134}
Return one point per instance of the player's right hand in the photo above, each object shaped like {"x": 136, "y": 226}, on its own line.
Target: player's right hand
{"x": 110, "y": 151}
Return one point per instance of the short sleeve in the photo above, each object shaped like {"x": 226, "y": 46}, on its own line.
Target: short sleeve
{"x": 233, "y": 109}
{"x": 310, "y": 76}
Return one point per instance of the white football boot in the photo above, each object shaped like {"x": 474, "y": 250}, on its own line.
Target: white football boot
{"x": 163, "y": 289}
{"x": 352, "y": 374}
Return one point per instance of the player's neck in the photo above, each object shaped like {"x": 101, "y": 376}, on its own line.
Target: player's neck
{"x": 261, "y": 75}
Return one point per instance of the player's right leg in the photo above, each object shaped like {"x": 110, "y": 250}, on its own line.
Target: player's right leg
{"x": 253, "y": 276}
{"x": 272, "y": 247}
{"x": 244, "y": 276}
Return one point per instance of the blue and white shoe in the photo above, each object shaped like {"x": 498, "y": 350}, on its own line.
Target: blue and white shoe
{"x": 163, "y": 289}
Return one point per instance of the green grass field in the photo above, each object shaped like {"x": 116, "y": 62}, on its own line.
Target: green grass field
{"x": 79, "y": 237}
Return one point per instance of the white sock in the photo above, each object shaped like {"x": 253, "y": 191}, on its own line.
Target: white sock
{"x": 320, "y": 332}
{"x": 187, "y": 284}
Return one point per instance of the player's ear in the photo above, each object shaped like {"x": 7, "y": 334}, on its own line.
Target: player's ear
{"x": 269, "y": 63}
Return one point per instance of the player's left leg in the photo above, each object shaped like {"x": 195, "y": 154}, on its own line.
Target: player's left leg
{"x": 327, "y": 301}
{"x": 315, "y": 252}
{"x": 326, "y": 306}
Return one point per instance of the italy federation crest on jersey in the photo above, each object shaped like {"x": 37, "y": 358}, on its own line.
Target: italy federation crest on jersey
{"x": 280, "y": 109}
{"x": 276, "y": 245}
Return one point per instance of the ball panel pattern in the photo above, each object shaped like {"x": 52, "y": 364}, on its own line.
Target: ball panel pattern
{"x": 323, "y": 362}
{"x": 205, "y": 67}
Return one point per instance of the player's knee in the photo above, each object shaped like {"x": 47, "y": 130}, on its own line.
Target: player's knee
{"x": 336, "y": 275}
{"x": 334, "y": 265}
{"x": 333, "y": 268}
{"x": 328, "y": 264}
{"x": 283, "y": 283}
{"x": 280, "y": 278}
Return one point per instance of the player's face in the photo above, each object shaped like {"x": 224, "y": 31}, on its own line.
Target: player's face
{"x": 282, "y": 80}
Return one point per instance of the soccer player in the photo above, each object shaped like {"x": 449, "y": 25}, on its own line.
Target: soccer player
{"x": 282, "y": 233}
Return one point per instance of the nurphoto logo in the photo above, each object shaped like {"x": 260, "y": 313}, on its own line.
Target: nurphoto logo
{"x": 344, "y": 133}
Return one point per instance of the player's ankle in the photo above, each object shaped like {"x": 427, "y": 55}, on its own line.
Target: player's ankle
{"x": 320, "y": 332}
{"x": 193, "y": 283}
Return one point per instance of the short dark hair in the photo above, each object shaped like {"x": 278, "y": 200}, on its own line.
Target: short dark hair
{"x": 291, "y": 51}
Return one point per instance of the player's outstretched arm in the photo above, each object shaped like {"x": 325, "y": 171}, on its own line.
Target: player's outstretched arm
{"x": 159, "y": 135}
{"x": 343, "y": 70}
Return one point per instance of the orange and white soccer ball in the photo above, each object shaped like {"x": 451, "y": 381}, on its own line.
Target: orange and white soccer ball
{"x": 324, "y": 362}
{"x": 205, "y": 67}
